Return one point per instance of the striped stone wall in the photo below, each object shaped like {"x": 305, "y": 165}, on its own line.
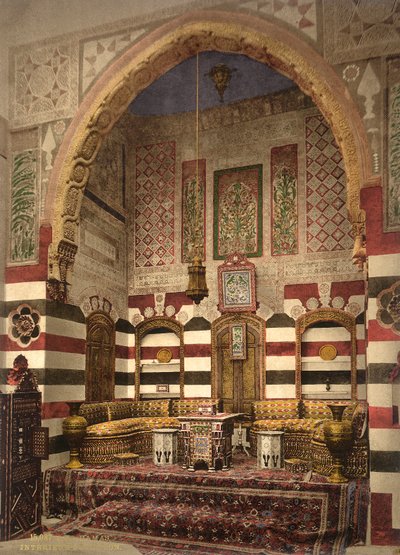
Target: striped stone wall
{"x": 383, "y": 250}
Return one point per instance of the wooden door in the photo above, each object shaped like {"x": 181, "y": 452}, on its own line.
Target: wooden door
{"x": 238, "y": 381}
{"x": 100, "y": 360}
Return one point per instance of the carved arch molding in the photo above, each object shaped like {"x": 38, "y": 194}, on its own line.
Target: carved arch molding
{"x": 338, "y": 316}
{"x": 144, "y": 328}
{"x": 157, "y": 53}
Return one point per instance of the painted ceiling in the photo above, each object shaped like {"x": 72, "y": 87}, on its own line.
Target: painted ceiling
{"x": 175, "y": 91}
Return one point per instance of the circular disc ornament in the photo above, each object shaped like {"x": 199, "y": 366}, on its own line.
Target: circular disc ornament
{"x": 328, "y": 352}
{"x": 164, "y": 355}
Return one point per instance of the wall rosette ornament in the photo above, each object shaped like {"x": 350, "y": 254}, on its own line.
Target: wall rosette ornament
{"x": 388, "y": 302}
{"x": 24, "y": 325}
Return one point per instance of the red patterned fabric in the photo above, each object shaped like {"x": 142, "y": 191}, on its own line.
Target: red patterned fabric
{"x": 243, "y": 508}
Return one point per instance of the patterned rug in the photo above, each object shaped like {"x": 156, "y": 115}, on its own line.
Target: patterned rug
{"x": 244, "y": 510}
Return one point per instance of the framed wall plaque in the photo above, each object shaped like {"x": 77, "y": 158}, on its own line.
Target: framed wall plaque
{"x": 237, "y": 284}
{"x": 237, "y": 341}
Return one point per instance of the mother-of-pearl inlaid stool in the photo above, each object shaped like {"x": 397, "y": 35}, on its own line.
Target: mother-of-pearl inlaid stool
{"x": 270, "y": 450}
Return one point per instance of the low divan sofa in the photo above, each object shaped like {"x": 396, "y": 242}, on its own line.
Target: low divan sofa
{"x": 302, "y": 422}
{"x": 116, "y": 427}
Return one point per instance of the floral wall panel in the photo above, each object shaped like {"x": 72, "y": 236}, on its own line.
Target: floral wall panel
{"x": 193, "y": 203}
{"x": 24, "y": 222}
{"x": 327, "y": 225}
{"x": 238, "y": 211}
{"x": 154, "y": 204}
{"x": 284, "y": 200}
{"x": 392, "y": 196}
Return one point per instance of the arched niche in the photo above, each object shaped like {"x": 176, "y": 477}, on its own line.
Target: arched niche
{"x": 100, "y": 357}
{"x": 228, "y": 372}
{"x": 151, "y": 326}
{"x": 150, "y": 58}
{"x": 315, "y": 318}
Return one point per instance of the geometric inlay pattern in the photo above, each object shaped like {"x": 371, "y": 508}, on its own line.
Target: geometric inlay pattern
{"x": 154, "y": 204}
{"x": 327, "y": 225}
{"x": 361, "y": 29}
{"x": 300, "y": 14}
{"x": 97, "y": 53}
{"x": 45, "y": 84}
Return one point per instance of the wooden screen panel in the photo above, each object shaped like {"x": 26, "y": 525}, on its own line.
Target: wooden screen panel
{"x": 100, "y": 357}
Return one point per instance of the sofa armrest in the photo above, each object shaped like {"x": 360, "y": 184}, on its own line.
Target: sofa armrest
{"x": 275, "y": 409}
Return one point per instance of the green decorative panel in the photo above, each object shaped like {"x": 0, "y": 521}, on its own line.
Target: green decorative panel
{"x": 284, "y": 200}
{"x": 23, "y": 221}
{"x": 238, "y": 211}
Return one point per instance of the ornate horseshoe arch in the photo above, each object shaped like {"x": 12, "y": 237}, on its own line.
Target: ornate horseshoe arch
{"x": 158, "y": 52}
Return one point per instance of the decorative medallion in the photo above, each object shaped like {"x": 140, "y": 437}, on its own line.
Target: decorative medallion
{"x": 164, "y": 355}
{"x": 328, "y": 352}
{"x": 388, "y": 314}
{"x": 312, "y": 303}
{"x": 24, "y": 325}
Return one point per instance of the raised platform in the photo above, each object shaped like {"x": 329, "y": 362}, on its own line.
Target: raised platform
{"x": 244, "y": 509}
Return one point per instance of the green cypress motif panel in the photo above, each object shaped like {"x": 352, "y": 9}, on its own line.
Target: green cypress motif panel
{"x": 284, "y": 200}
{"x": 238, "y": 211}
{"x": 23, "y": 221}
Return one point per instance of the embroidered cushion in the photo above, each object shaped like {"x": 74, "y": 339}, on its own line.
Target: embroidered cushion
{"x": 94, "y": 412}
{"x": 289, "y": 425}
{"x": 153, "y": 422}
{"x": 276, "y": 409}
{"x": 115, "y": 427}
{"x": 180, "y": 407}
{"x": 157, "y": 407}
{"x": 315, "y": 409}
{"x": 117, "y": 410}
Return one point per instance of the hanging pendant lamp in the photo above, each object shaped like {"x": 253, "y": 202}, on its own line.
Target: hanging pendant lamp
{"x": 197, "y": 286}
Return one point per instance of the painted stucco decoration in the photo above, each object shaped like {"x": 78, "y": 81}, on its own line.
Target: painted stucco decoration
{"x": 388, "y": 314}
{"x": 173, "y": 43}
{"x": 24, "y": 208}
{"x": 23, "y": 325}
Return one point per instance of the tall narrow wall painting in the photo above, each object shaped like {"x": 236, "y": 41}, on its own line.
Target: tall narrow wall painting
{"x": 238, "y": 211}
{"x": 284, "y": 200}
{"x": 193, "y": 208}
{"x": 327, "y": 226}
{"x": 392, "y": 193}
{"x": 154, "y": 205}
{"x": 24, "y": 221}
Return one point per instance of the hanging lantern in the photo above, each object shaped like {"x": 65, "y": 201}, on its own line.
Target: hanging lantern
{"x": 197, "y": 287}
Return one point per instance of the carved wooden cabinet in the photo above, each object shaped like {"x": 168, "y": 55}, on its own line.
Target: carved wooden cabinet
{"x": 23, "y": 443}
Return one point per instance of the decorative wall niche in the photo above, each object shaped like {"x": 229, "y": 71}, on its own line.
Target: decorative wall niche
{"x": 327, "y": 338}
{"x": 151, "y": 325}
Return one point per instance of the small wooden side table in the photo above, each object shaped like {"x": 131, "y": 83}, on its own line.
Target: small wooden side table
{"x": 208, "y": 440}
